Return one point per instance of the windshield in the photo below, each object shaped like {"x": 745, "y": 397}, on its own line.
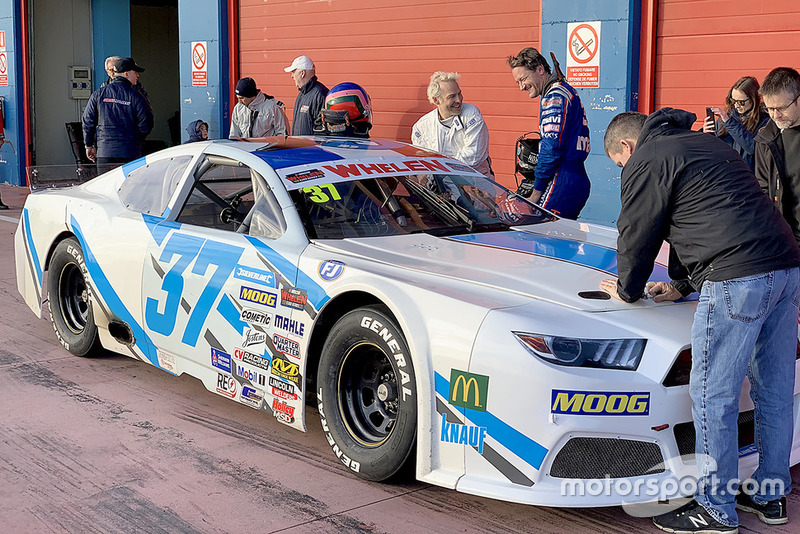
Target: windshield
{"x": 438, "y": 204}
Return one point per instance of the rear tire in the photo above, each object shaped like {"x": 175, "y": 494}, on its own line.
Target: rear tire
{"x": 70, "y": 300}
{"x": 367, "y": 394}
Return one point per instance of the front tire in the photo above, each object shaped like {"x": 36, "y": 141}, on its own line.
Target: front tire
{"x": 367, "y": 394}
{"x": 70, "y": 302}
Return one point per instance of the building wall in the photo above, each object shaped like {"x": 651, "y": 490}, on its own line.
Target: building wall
{"x": 617, "y": 91}
{"x": 391, "y": 47}
{"x": 204, "y": 20}
{"x": 704, "y": 46}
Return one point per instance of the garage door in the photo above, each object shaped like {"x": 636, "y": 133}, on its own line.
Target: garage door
{"x": 391, "y": 48}
{"x": 704, "y": 46}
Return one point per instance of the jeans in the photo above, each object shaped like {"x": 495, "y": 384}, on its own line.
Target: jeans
{"x": 744, "y": 326}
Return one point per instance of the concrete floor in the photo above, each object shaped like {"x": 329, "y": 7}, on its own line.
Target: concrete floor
{"x": 110, "y": 444}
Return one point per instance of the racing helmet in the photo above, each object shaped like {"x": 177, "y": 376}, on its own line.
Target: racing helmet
{"x": 527, "y": 154}
{"x": 348, "y": 110}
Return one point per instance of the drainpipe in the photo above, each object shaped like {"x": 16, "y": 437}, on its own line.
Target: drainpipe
{"x": 647, "y": 56}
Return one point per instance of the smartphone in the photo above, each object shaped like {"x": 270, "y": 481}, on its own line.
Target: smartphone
{"x": 710, "y": 115}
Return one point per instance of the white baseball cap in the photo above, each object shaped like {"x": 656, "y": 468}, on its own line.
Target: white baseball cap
{"x": 300, "y": 62}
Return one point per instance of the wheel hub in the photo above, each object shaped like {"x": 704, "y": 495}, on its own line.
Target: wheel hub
{"x": 386, "y": 392}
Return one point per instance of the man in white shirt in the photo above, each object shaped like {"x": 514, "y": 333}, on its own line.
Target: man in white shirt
{"x": 256, "y": 114}
{"x": 455, "y": 128}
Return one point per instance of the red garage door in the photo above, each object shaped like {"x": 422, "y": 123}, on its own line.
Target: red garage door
{"x": 704, "y": 46}
{"x": 391, "y": 48}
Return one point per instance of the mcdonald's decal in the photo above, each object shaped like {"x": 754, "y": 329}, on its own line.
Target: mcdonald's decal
{"x": 468, "y": 390}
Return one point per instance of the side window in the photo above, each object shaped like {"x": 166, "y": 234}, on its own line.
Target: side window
{"x": 220, "y": 198}
{"x": 148, "y": 189}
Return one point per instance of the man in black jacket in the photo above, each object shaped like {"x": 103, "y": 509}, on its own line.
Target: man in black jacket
{"x": 311, "y": 97}
{"x": 778, "y": 144}
{"x": 726, "y": 241}
{"x": 117, "y": 118}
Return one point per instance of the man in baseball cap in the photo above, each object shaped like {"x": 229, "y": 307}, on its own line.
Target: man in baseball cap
{"x": 311, "y": 100}
{"x": 126, "y": 64}
{"x": 256, "y": 114}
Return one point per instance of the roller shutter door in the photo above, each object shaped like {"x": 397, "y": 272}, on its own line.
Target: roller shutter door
{"x": 704, "y": 46}
{"x": 391, "y": 48}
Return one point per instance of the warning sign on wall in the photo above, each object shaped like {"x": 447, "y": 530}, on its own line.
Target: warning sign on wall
{"x": 583, "y": 54}
{"x": 199, "y": 64}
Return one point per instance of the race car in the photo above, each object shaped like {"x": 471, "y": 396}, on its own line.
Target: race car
{"x": 441, "y": 324}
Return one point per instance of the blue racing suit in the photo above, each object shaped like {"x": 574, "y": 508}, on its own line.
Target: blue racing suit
{"x": 560, "y": 173}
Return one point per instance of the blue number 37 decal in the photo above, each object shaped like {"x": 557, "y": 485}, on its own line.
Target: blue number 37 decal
{"x": 187, "y": 248}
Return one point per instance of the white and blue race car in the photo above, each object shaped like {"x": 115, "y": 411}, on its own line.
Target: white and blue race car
{"x": 437, "y": 320}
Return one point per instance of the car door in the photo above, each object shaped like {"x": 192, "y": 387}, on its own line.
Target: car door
{"x": 219, "y": 290}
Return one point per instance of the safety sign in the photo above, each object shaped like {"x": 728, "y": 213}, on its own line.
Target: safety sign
{"x": 583, "y": 54}
{"x": 199, "y": 64}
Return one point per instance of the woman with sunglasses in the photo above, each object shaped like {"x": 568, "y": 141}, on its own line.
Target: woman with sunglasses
{"x": 740, "y": 119}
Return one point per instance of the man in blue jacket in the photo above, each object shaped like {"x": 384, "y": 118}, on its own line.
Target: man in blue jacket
{"x": 117, "y": 118}
{"x": 560, "y": 183}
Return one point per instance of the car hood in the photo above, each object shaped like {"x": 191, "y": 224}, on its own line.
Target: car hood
{"x": 554, "y": 261}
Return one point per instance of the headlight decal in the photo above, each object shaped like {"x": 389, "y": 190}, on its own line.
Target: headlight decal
{"x": 622, "y": 354}
{"x": 521, "y": 445}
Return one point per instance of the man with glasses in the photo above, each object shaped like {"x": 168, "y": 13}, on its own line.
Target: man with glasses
{"x": 559, "y": 183}
{"x": 778, "y": 144}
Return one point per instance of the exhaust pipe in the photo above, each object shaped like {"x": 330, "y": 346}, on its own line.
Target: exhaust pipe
{"x": 121, "y": 332}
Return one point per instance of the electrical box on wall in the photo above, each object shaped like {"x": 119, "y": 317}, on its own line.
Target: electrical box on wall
{"x": 80, "y": 83}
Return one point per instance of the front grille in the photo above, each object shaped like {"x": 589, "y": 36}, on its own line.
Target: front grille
{"x": 685, "y": 435}
{"x": 607, "y": 457}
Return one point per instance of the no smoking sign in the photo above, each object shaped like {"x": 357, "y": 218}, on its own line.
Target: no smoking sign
{"x": 583, "y": 54}
{"x": 199, "y": 64}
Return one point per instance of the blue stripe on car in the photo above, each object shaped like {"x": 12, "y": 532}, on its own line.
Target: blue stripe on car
{"x": 291, "y": 157}
{"x": 531, "y": 452}
{"x": 316, "y": 295}
{"x": 579, "y": 252}
{"x": 159, "y": 228}
{"x": 26, "y": 226}
{"x": 112, "y": 300}
{"x": 133, "y": 165}
{"x": 229, "y": 312}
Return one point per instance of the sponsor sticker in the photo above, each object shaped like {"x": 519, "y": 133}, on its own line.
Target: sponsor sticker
{"x": 258, "y": 276}
{"x": 221, "y": 360}
{"x": 167, "y": 361}
{"x": 468, "y": 390}
{"x": 278, "y": 384}
{"x": 286, "y": 345}
{"x": 471, "y": 435}
{"x": 258, "y": 296}
{"x": 252, "y": 397}
{"x": 283, "y": 368}
{"x": 283, "y": 411}
{"x": 254, "y": 340}
{"x": 249, "y": 315}
{"x": 290, "y": 325}
{"x": 251, "y": 359}
{"x": 282, "y": 394}
{"x": 294, "y": 297}
{"x": 330, "y": 270}
{"x": 599, "y": 402}
{"x": 226, "y": 385}
{"x": 252, "y": 376}
{"x": 303, "y": 176}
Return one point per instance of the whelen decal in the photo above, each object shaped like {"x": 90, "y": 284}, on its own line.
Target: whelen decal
{"x": 112, "y": 300}
{"x": 528, "y": 450}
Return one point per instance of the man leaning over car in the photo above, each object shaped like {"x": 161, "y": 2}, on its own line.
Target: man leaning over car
{"x": 728, "y": 242}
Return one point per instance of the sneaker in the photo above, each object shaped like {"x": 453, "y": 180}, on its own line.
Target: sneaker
{"x": 692, "y": 518}
{"x": 771, "y": 513}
